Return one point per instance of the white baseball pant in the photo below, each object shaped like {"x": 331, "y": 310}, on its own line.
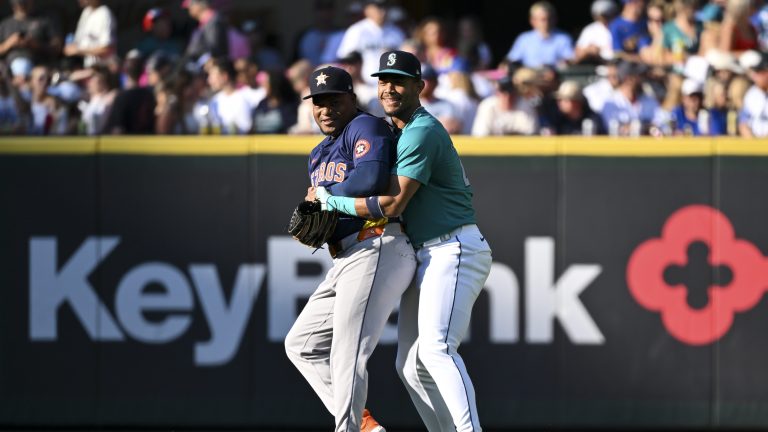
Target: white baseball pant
{"x": 434, "y": 317}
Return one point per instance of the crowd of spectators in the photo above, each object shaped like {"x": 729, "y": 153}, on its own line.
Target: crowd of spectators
{"x": 658, "y": 67}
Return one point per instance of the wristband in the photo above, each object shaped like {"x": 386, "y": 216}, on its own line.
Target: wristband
{"x": 374, "y": 207}
{"x": 345, "y": 205}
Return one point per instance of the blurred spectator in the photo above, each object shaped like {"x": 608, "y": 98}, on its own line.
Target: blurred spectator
{"x": 133, "y": 111}
{"x": 598, "y": 92}
{"x": 298, "y": 74}
{"x": 10, "y": 101}
{"x": 760, "y": 22}
{"x": 573, "y": 115}
{"x": 42, "y": 106}
{"x": 211, "y": 38}
{"x": 441, "y": 109}
{"x": 266, "y": 57}
{"x": 630, "y": 112}
{"x": 158, "y": 67}
{"x": 96, "y": 110}
{"x": 248, "y": 81}
{"x": 367, "y": 98}
{"x": 398, "y": 17}
{"x": 229, "y": 108}
{"x": 544, "y": 45}
{"x": 95, "y": 38}
{"x": 67, "y": 95}
{"x": 353, "y": 14}
{"x": 629, "y": 31}
{"x": 690, "y": 118}
{"x": 177, "y": 98}
{"x": 277, "y": 112}
{"x": 21, "y": 69}
{"x": 29, "y": 34}
{"x": 595, "y": 44}
{"x": 652, "y": 53}
{"x": 753, "y": 120}
{"x": 471, "y": 46}
{"x": 460, "y": 92}
{"x": 439, "y": 50}
{"x": 682, "y": 34}
{"x": 505, "y": 113}
{"x": 720, "y": 109}
{"x": 159, "y": 37}
{"x": 312, "y": 42}
{"x": 371, "y": 37}
{"x": 737, "y": 34}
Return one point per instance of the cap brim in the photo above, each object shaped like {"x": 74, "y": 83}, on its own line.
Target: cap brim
{"x": 326, "y": 92}
{"x": 393, "y": 72}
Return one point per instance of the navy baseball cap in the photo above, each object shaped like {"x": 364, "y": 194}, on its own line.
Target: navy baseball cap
{"x": 399, "y": 63}
{"x": 329, "y": 80}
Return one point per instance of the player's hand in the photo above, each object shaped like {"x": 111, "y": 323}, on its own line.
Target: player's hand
{"x": 322, "y": 195}
{"x": 310, "y": 194}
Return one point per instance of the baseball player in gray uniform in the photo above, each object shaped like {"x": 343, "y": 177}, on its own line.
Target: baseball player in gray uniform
{"x": 431, "y": 191}
{"x": 373, "y": 261}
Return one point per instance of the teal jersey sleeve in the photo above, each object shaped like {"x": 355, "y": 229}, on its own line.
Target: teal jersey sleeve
{"x": 416, "y": 153}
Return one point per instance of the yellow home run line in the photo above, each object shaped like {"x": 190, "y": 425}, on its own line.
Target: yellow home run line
{"x": 301, "y": 145}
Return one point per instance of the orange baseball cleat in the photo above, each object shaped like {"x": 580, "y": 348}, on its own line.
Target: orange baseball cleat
{"x": 369, "y": 424}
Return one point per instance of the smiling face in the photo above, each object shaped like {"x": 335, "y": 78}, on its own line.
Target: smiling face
{"x": 399, "y": 94}
{"x": 333, "y": 111}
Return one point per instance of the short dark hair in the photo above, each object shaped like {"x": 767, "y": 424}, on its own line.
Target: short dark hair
{"x": 226, "y": 66}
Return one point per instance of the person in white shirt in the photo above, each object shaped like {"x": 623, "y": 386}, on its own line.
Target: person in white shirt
{"x": 505, "y": 113}
{"x": 598, "y": 92}
{"x": 229, "y": 107}
{"x": 441, "y": 109}
{"x": 595, "y": 42}
{"x": 95, "y": 38}
{"x": 630, "y": 112}
{"x": 460, "y": 92}
{"x": 753, "y": 119}
{"x": 95, "y": 112}
{"x": 371, "y": 36}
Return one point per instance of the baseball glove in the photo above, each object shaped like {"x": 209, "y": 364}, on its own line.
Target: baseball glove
{"x": 310, "y": 225}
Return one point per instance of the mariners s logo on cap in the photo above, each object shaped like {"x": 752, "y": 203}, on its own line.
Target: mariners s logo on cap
{"x": 399, "y": 63}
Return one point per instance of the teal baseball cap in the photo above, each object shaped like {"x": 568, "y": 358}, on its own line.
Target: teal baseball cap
{"x": 399, "y": 63}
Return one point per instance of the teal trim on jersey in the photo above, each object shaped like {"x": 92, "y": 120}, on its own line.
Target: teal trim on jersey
{"x": 343, "y": 204}
{"x": 443, "y": 202}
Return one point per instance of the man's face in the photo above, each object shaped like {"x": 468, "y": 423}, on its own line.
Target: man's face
{"x": 540, "y": 20}
{"x": 195, "y": 9}
{"x": 333, "y": 111}
{"x": 693, "y": 102}
{"x": 376, "y": 13}
{"x": 216, "y": 79}
{"x": 399, "y": 93}
{"x": 760, "y": 78}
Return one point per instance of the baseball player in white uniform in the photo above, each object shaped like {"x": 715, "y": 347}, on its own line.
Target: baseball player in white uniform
{"x": 431, "y": 191}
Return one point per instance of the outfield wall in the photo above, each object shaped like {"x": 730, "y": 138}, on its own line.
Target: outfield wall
{"x": 149, "y": 282}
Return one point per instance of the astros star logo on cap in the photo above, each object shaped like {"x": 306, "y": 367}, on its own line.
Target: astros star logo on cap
{"x": 321, "y": 78}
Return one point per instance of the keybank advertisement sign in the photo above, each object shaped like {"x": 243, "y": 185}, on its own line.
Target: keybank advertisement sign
{"x": 56, "y": 284}
{"x": 654, "y": 275}
{"x": 156, "y": 291}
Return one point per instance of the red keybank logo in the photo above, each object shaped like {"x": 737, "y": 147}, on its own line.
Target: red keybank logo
{"x": 651, "y": 261}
